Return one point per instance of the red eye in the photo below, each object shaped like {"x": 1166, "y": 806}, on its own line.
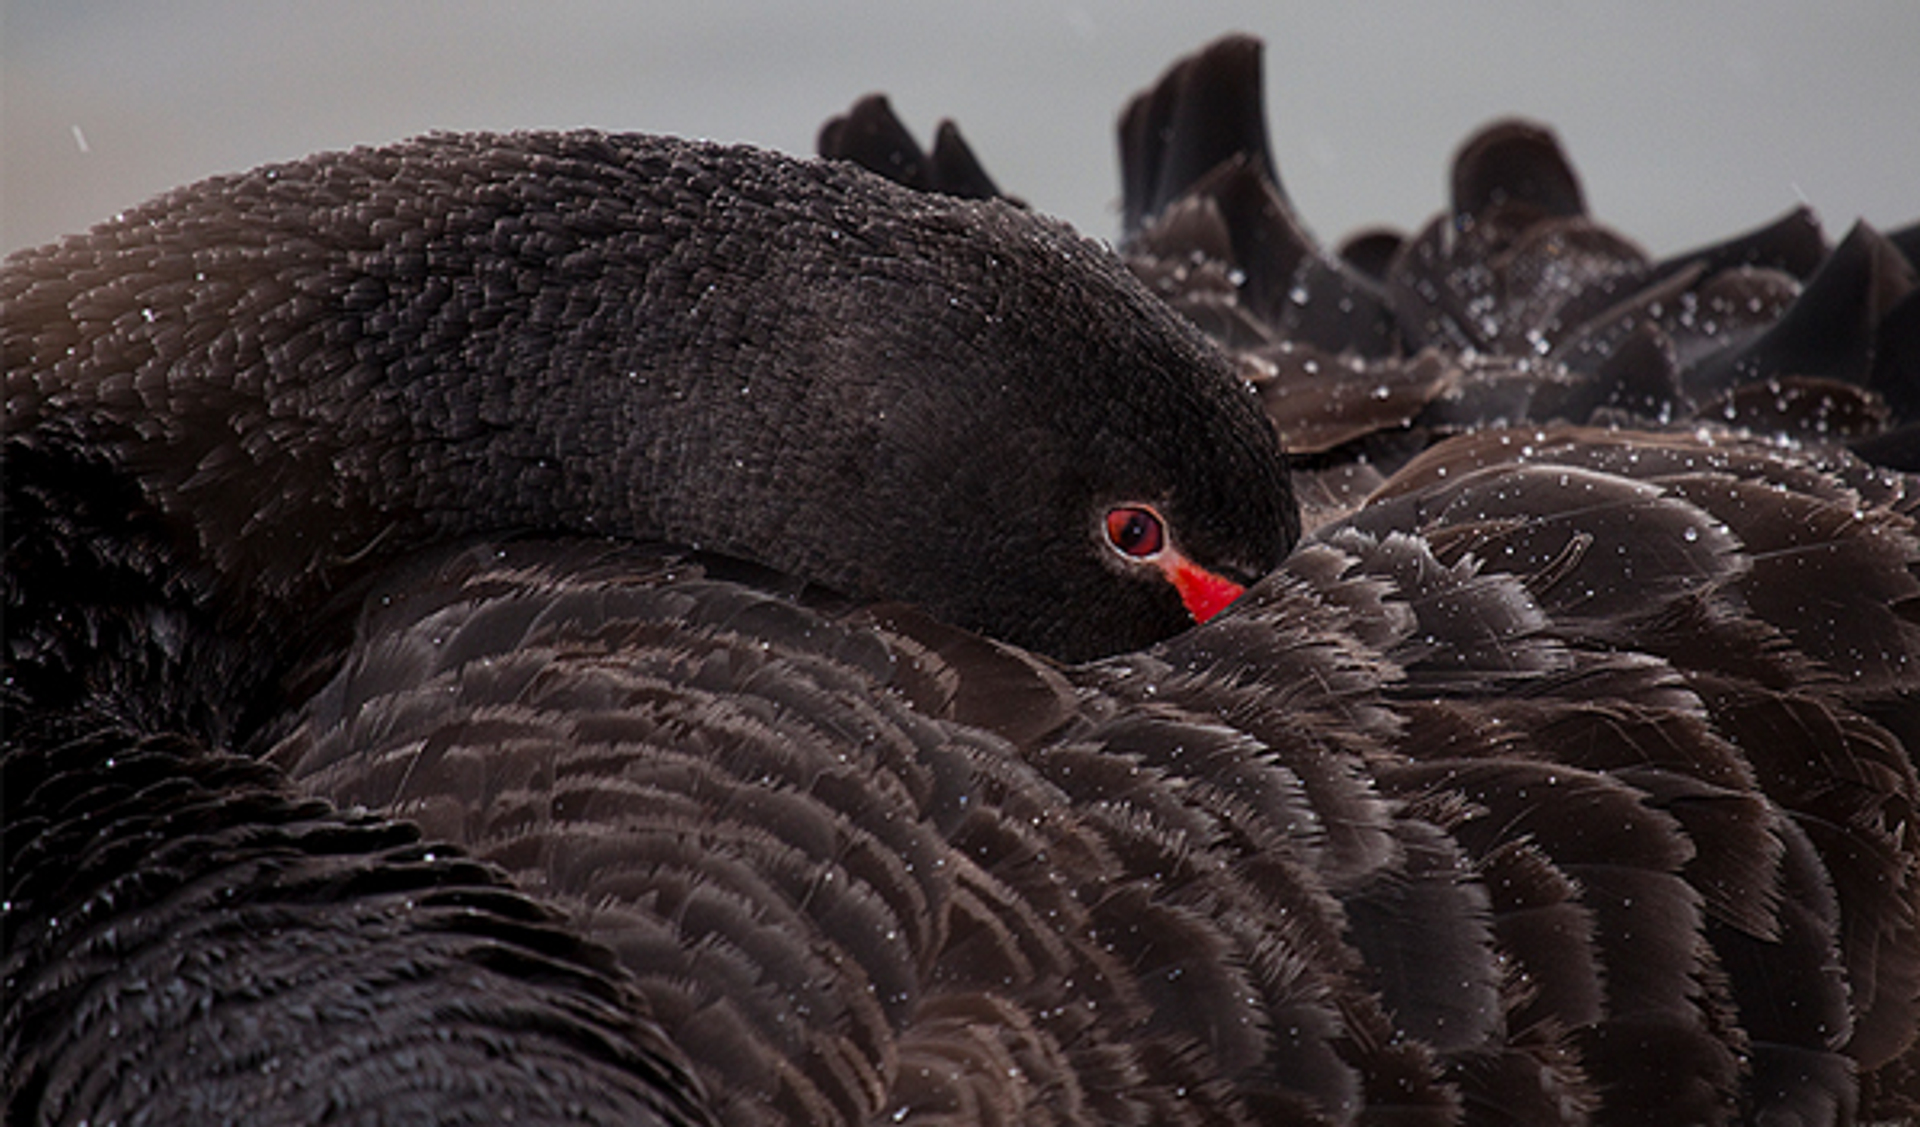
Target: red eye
{"x": 1135, "y": 531}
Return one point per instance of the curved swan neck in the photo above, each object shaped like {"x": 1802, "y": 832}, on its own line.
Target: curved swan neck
{"x": 307, "y": 371}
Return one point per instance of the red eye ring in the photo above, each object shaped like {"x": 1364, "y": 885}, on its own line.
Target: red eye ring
{"x": 1135, "y": 531}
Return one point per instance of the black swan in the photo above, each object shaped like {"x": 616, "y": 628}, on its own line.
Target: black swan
{"x": 661, "y": 524}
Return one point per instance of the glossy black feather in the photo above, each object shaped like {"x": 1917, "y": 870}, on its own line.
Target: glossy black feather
{"x": 188, "y": 941}
{"x": 871, "y": 136}
{"x": 1578, "y": 323}
{"x": 1204, "y": 110}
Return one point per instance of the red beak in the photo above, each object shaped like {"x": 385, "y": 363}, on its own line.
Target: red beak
{"x": 1205, "y": 593}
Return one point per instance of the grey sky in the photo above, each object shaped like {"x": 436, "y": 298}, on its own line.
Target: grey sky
{"x": 1687, "y": 122}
